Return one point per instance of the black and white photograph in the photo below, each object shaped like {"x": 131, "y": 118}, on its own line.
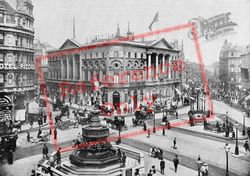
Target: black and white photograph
{"x": 124, "y": 88}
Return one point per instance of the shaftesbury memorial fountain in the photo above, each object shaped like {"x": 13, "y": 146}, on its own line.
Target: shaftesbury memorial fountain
{"x": 97, "y": 151}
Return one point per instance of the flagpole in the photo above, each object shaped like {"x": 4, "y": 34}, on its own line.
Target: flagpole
{"x": 158, "y": 28}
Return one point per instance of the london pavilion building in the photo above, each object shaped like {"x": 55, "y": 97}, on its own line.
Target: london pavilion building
{"x": 16, "y": 57}
{"x": 129, "y": 73}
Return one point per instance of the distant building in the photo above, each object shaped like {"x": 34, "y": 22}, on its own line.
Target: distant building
{"x": 16, "y": 57}
{"x": 120, "y": 69}
{"x": 245, "y": 68}
{"x": 216, "y": 69}
{"x": 41, "y": 49}
{"x": 230, "y": 65}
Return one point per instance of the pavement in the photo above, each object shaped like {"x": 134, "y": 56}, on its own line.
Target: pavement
{"x": 30, "y": 163}
{"x": 234, "y": 113}
{"x": 187, "y": 147}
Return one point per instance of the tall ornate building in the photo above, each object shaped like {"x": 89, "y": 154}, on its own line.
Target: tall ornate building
{"x": 230, "y": 65}
{"x": 128, "y": 73}
{"x": 16, "y": 56}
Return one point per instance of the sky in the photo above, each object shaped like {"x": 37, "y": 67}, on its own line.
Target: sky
{"x": 53, "y": 20}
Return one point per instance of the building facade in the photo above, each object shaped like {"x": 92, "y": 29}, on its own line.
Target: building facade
{"x": 40, "y": 51}
{"x": 125, "y": 74}
{"x": 245, "y": 68}
{"x": 230, "y": 65}
{"x": 16, "y": 57}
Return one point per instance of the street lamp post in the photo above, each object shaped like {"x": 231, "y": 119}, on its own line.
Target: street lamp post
{"x": 227, "y": 149}
{"x": 244, "y": 119}
{"x": 236, "y": 146}
{"x": 119, "y": 129}
{"x": 197, "y": 100}
{"x": 227, "y": 127}
{"x": 154, "y": 131}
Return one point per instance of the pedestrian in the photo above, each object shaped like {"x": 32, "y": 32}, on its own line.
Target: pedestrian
{"x": 153, "y": 170}
{"x": 163, "y": 131}
{"x": 33, "y": 173}
{"x": 162, "y": 166}
{"x": 119, "y": 154}
{"x": 55, "y": 134}
{"x": 28, "y": 136}
{"x": 39, "y": 121}
{"x": 58, "y": 156}
{"x": 199, "y": 158}
{"x": 137, "y": 172}
{"x": 144, "y": 126}
{"x": 50, "y": 172}
{"x": 149, "y": 133}
{"x": 176, "y": 114}
{"x": 10, "y": 157}
{"x": 246, "y": 146}
{"x": 174, "y": 142}
{"x": 81, "y": 103}
{"x": 233, "y": 135}
{"x": 45, "y": 151}
{"x": 176, "y": 162}
{"x": 31, "y": 122}
{"x": 39, "y": 133}
{"x": 150, "y": 172}
{"x": 79, "y": 137}
{"x": 204, "y": 169}
{"x": 123, "y": 159}
{"x": 44, "y": 118}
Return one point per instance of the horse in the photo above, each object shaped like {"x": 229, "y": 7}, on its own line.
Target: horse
{"x": 18, "y": 125}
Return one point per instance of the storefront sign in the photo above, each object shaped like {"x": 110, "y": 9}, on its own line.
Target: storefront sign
{"x": 5, "y": 66}
{"x": 212, "y": 27}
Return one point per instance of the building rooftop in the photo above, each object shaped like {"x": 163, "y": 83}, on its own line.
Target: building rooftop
{"x": 5, "y": 6}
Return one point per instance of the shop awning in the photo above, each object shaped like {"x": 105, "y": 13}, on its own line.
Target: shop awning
{"x": 33, "y": 108}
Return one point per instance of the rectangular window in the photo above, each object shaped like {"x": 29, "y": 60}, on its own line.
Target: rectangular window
{"x": 116, "y": 53}
{"x": 1, "y": 57}
{"x": 1, "y": 18}
{"x": 1, "y": 39}
{"x": 1, "y": 79}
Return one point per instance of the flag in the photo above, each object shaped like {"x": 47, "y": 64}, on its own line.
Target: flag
{"x": 154, "y": 21}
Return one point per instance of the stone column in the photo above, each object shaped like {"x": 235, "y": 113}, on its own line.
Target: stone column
{"x": 81, "y": 70}
{"x": 163, "y": 66}
{"x": 68, "y": 66}
{"x": 156, "y": 75}
{"x": 62, "y": 68}
{"x": 89, "y": 75}
{"x": 100, "y": 76}
{"x": 74, "y": 67}
{"x": 170, "y": 65}
{"x": 149, "y": 67}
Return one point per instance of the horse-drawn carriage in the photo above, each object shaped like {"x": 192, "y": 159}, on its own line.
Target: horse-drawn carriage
{"x": 158, "y": 108}
{"x": 64, "y": 124}
{"x": 142, "y": 115}
{"x": 106, "y": 110}
{"x": 116, "y": 122}
{"x": 82, "y": 116}
{"x": 57, "y": 105}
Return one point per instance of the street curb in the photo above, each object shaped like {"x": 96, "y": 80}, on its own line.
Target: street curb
{"x": 186, "y": 161}
{"x": 207, "y": 134}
